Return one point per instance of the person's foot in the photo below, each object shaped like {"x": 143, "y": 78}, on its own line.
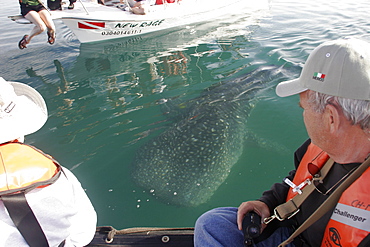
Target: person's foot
{"x": 23, "y": 42}
{"x": 51, "y": 37}
{"x": 71, "y": 6}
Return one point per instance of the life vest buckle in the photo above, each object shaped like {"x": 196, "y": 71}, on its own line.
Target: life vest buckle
{"x": 277, "y": 216}
{"x": 297, "y": 188}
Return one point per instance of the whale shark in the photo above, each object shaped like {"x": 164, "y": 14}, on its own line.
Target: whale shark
{"x": 186, "y": 163}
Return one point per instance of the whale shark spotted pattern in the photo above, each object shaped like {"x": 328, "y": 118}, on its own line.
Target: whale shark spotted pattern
{"x": 186, "y": 163}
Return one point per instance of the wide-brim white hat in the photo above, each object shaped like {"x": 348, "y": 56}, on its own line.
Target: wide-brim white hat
{"x": 22, "y": 110}
{"x": 338, "y": 68}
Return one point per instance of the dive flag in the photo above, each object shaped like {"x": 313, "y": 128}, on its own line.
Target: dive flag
{"x": 91, "y": 25}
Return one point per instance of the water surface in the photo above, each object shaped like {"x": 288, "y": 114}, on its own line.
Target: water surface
{"x": 105, "y": 98}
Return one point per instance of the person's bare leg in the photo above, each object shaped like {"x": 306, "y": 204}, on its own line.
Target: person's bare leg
{"x": 39, "y": 27}
{"x": 48, "y": 21}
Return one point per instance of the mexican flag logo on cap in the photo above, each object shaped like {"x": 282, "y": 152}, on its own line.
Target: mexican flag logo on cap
{"x": 318, "y": 76}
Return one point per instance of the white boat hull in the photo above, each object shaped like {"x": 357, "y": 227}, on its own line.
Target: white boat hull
{"x": 92, "y": 22}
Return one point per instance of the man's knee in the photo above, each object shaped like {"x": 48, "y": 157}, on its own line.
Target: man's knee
{"x": 203, "y": 220}
{"x": 218, "y": 227}
{"x": 217, "y": 216}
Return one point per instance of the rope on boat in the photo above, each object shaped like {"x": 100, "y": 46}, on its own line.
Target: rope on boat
{"x": 87, "y": 12}
{"x": 128, "y": 5}
{"x": 113, "y": 231}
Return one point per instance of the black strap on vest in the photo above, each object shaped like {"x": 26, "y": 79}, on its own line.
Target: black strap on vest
{"x": 365, "y": 242}
{"x": 24, "y": 219}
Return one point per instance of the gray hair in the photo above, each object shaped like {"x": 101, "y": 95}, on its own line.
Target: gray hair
{"x": 356, "y": 111}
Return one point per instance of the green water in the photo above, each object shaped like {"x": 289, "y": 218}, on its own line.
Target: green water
{"x": 104, "y": 99}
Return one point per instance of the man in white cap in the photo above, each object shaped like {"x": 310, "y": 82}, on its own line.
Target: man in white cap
{"x": 334, "y": 91}
{"x": 41, "y": 203}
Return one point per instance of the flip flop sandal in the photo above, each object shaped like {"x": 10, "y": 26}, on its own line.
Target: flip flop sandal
{"x": 51, "y": 37}
{"x": 23, "y": 42}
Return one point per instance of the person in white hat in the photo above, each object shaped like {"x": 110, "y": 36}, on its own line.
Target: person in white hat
{"x": 334, "y": 92}
{"x": 41, "y": 202}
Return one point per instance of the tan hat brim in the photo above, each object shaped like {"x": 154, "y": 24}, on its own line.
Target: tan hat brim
{"x": 288, "y": 88}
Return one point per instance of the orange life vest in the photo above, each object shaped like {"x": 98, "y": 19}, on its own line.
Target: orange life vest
{"x": 350, "y": 221}
{"x": 313, "y": 155}
{"x": 23, "y": 168}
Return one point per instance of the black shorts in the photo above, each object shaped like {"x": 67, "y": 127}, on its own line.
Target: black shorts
{"x": 25, "y": 8}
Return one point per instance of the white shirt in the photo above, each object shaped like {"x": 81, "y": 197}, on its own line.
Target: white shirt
{"x": 63, "y": 211}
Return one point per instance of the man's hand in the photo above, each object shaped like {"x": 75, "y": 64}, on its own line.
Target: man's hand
{"x": 256, "y": 206}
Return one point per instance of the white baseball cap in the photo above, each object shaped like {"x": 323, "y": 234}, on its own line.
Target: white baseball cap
{"x": 22, "y": 110}
{"x": 338, "y": 68}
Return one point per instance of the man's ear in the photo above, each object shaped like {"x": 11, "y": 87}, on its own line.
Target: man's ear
{"x": 333, "y": 117}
